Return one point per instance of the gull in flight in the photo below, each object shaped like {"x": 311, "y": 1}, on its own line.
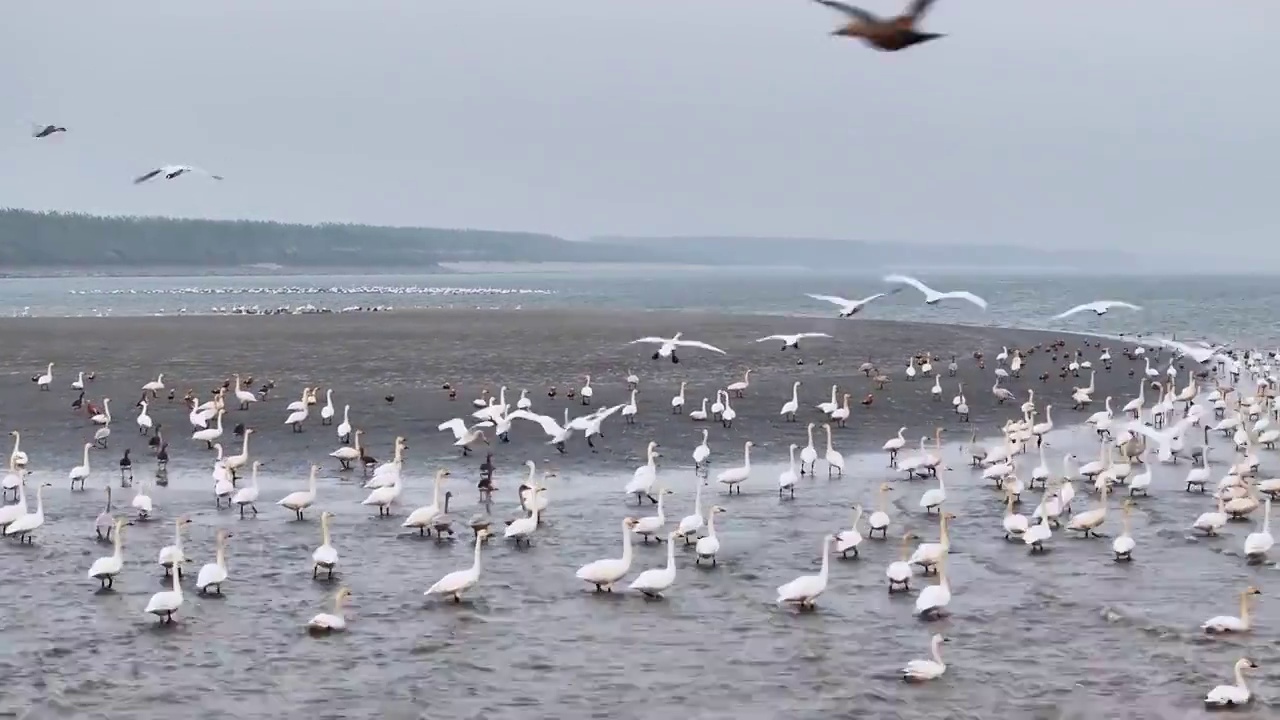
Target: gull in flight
{"x": 668, "y": 346}
{"x": 792, "y": 341}
{"x": 44, "y": 131}
{"x": 849, "y": 308}
{"x": 932, "y": 296}
{"x": 172, "y": 171}
{"x": 1099, "y": 307}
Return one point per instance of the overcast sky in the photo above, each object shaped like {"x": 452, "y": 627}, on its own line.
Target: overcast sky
{"x": 1049, "y": 121}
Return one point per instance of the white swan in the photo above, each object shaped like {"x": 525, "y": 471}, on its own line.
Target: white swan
{"x": 459, "y": 581}
{"x": 920, "y": 670}
{"x": 933, "y": 498}
{"x": 165, "y": 603}
{"x": 172, "y": 556}
{"x": 835, "y": 461}
{"x": 327, "y": 412}
{"x": 899, "y": 571}
{"x": 80, "y": 473}
{"x": 105, "y": 569}
{"x": 787, "y": 478}
{"x": 45, "y": 380}
{"x": 208, "y": 435}
{"x": 604, "y": 573}
{"x": 422, "y": 517}
{"x": 734, "y": 477}
{"x": 879, "y": 520}
{"x": 847, "y": 540}
{"x": 652, "y": 583}
{"x": 144, "y": 420}
{"x": 804, "y": 590}
{"x": 691, "y": 524}
{"x": 10, "y": 513}
{"x": 792, "y": 406}
{"x": 384, "y": 496}
{"x": 652, "y": 525}
{"x": 848, "y": 308}
{"x": 344, "y": 427}
{"x": 699, "y": 414}
{"x": 1237, "y": 694}
{"x": 465, "y": 437}
{"x": 17, "y": 457}
{"x": 933, "y": 600}
{"x": 926, "y": 555}
{"x": 641, "y": 484}
{"x": 300, "y": 500}
{"x": 932, "y": 296}
{"x": 708, "y": 546}
{"x": 243, "y": 396}
{"x": 1098, "y": 307}
{"x": 30, "y": 522}
{"x": 142, "y": 501}
{"x": 522, "y": 529}
{"x": 324, "y": 557}
{"x": 331, "y": 622}
{"x": 248, "y": 495}
{"x": 1124, "y": 543}
{"x": 894, "y": 444}
{"x": 213, "y": 574}
{"x": 1227, "y": 623}
{"x": 387, "y": 472}
{"x": 667, "y": 346}
{"x": 701, "y": 452}
{"x": 1258, "y": 543}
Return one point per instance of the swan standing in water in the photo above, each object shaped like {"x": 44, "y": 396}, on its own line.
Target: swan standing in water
{"x": 165, "y": 603}
{"x": 104, "y": 524}
{"x": 804, "y": 590}
{"x": 652, "y": 583}
{"x": 787, "y": 479}
{"x": 142, "y": 501}
{"x": 327, "y": 412}
{"x": 652, "y": 525}
{"x": 29, "y": 523}
{"x": 331, "y": 622}
{"x": 701, "y": 453}
{"x": 10, "y": 513}
{"x": 1256, "y": 544}
{"x": 249, "y": 495}
{"x": 708, "y": 546}
{"x": 172, "y": 556}
{"x": 893, "y": 445}
{"x": 933, "y": 600}
{"x": 459, "y": 581}
{"x": 1237, "y": 694}
{"x": 899, "y": 571}
{"x": 17, "y": 457}
{"x": 348, "y": 454}
{"x": 325, "y": 557}
{"x": 835, "y": 461}
{"x": 302, "y": 499}
{"x": 879, "y": 520}
{"x": 422, "y": 517}
{"x": 691, "y": 524}
{"x": 384, "y": 496}
{"x": 213, "y": 574}
{"x": 344, "y": 427}
{"x": 642, "y": 480}
{"x": 604, "y": 573}
{"x": 809, "y": 455}
{"x": 521, "y": 529}
{"x": 920, "y": 670}
{"x": 105, "y": 569}
{"x": 80, "y": 473}
{"x": 1124, "y": 544}
{"x": 45, "y": 380}
{"x": 1015, "y": 524}
{"x": 1227, "y": 623}
{"x": 734, "y": 477}
{"x": 847, "y": 540}
{"x": 792, "y": 406}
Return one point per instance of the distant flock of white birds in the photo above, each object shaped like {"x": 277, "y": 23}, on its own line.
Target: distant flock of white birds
{"x": 1143, "y": 430}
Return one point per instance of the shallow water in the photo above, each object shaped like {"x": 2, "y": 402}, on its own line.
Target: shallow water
{"x": 1071, "y": 634}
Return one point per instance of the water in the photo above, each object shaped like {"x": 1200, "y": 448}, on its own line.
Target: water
{"x": 1071, "y": 634}
{"x": 1210, "y": 307}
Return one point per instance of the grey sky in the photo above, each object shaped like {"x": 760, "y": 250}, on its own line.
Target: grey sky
{"x": 1097, "y": 121}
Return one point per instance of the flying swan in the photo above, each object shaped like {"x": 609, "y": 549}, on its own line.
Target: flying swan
{"x": 848, "y": 308}
{"x": 792, "y": 341}
{"x": 1099, "y": 307}
{"x": 667, "y": 346}
{"x": 931, "y": 296}
{"x": 172, "y": 171}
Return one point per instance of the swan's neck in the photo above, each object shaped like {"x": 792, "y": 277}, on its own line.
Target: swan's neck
{"x": 177, "y": 587}
{"x": 792, "y": 464}
{"x": 671, "y": 556}
{"x": 1244, "y": 608}
{"x": 177, "y": 535}
{"x": 660, "y": 499}
{"x": 711, "y": 525}
{"x": 435, "y": 493}
{"x": 221, "y": 556}
{"x": 826, "y": 560}
{"x": 697, "y": 497}
{"x": 1240, "y": 679}
{"x": 857, "y": 517}
{"x": 324, "y": 531}
{"x": 937, "y": 651}
{"x": 119, "y": 543}
{"x": 475, "y": 562}
{"x": 626, "y": 545}
{"x": 311, "y": 484}
{"x": 86, "y": 455}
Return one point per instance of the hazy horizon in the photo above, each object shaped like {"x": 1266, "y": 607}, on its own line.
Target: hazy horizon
{"x": 1092, "y": 124}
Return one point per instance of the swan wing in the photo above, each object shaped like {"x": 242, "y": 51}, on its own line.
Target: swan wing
{"x": 699, "y": 344}
{"x": 147, "y": 176}
{"x": 812, "y": 334}
{"x": 966, "y": 295}
{"x": 869, "y": 298}
{"x": 854, "y": 13}
{"x": 602, "y": 415}
{"x": 774, "y": 337}
{"x": 457, "y": 426}
{"x": 834, "y": 299}
{"x": 906, "y": 280}
{"x": 1076, "y": 309}
{"x": 650, "y": 339}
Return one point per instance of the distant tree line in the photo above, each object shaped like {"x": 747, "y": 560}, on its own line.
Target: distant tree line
{"x": 56, "y": 239}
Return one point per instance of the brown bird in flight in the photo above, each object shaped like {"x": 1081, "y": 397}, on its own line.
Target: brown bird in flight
{"x": 888, "y": 34}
